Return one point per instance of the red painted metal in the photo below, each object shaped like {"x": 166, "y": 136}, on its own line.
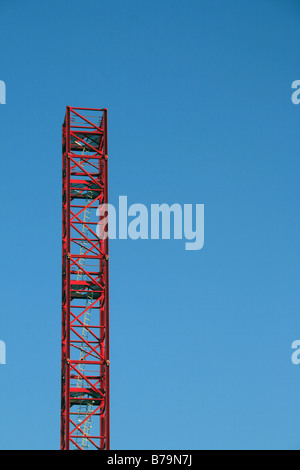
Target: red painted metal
{"x": 85, "y": 399}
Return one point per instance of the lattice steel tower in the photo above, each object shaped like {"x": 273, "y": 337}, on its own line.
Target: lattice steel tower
{"x": 85, "y": 283}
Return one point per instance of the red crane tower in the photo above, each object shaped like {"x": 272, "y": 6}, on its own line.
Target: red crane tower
{"x": 85, "y": 423}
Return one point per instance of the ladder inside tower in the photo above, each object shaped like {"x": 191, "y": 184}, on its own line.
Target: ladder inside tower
{"x": 85, "y": 407}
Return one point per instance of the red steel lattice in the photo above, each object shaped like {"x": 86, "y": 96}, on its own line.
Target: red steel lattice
{"x": 85, "y": 422}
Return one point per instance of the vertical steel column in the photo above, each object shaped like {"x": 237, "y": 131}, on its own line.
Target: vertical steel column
{"x": 85, "y": 417}
{"x": 107, "y": 352}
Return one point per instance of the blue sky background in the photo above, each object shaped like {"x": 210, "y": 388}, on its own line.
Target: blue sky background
{"x": 200, "y": 111}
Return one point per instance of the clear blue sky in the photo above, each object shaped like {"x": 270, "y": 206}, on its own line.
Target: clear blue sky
{"x": 200, "y": 111}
